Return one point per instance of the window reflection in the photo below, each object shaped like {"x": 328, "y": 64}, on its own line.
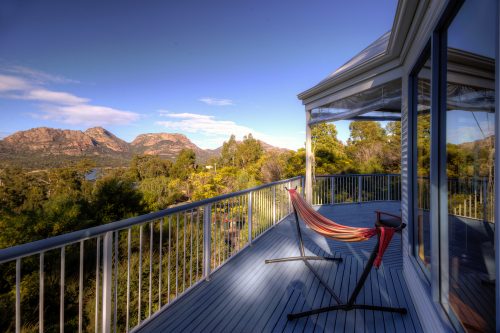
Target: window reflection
{"x": 470, "y": 133}
{"x": 423, "y": 136}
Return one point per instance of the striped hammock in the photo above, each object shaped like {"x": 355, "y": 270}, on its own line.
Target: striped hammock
{"x": 330, "y": 229}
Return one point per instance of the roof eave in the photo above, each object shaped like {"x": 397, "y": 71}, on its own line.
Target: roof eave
{"x": 402, "y": 21}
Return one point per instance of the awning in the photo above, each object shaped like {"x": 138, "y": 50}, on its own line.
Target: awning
{"x": 378, "y": 103}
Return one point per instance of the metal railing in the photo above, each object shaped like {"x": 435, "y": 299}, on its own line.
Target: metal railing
{"x": 468, "y": 197}
{"x": 116, "y": 276}
{"x": 335, "y": 189}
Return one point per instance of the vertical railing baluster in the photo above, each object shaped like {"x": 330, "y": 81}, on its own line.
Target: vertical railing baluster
{"x": 97, "y": 276}
{"x": 169, "y": 255}
{"x": 485, "y": 200}
{"x": 184, "y": 255}
{"x": 207, "y": 217}
{"x": 160, "y": 264}
{"x": 191, "y": 250}
{"x": 150, "y": 299}
{"x": 129, "y": 250}
{"x": 80, "y": 289}
{"x": 249, "y": 218}
{"x": 18, "y": 295}
{"x": 107, "y": 275}
{"x": 197, "y": 241}
{"x": 41, "y": 296}
{"x": 139, "y": 297}
{"x": 359, "y": 188}
{"x": 61, "y": 296}
{"x": 274, "y": 204}
{"x": 115, "y": 317}
{"x": 177, "y": 257}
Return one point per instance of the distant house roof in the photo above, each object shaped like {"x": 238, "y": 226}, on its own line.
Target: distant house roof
{"x": 375, "y": 49}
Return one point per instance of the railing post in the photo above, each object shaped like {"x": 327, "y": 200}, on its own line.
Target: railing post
{"x": 359, "y": 189}
{"x": 107, "y": 257}
{"x": 249, "y": 214}
{"x": 388, "y": 187}
{"x": 485, "y": 200}
{"x": 274, "y": 204}
{"x": 207, "y": 235}
{"x": 332, "y": 189}
{"x": 288, "y": 196}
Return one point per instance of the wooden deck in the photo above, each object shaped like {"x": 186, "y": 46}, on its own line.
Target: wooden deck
{"x": 246, "y": 295}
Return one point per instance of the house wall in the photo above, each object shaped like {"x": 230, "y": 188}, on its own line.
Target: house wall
{"x": 425, "y": 294}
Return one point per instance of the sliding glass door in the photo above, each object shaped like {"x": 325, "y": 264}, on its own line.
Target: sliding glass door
{"x": 467, "y": 278}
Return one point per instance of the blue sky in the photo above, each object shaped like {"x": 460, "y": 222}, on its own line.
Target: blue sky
{"x": 206, "y": 69}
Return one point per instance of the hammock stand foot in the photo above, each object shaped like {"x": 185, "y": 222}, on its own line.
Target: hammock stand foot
{"x": 346, "y": 307}
{"x": 301, "y": 258}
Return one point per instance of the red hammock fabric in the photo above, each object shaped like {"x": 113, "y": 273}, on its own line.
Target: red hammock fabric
{"x": 340, "y": 232}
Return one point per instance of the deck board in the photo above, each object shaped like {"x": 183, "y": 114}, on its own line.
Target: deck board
{"x": 246, "y": 295}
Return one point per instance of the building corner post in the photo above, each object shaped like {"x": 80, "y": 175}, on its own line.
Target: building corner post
{"x": 309, "y": 159}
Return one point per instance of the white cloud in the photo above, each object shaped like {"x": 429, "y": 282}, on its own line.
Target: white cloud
{"x": 35, "y": 75}
{"x": 11, "y": 83}
{"x": 56, "y": 97}
{"x": 198, "y": 123}
{"x": 90, "y": 115}
{"x": 216, "y": 101}
{"x": 163, "y": 112}
{"x": 215, "y": 131}
{"x": 59, "y": 105}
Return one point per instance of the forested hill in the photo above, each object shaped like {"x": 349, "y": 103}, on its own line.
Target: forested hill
{"x": 45, "y": 147}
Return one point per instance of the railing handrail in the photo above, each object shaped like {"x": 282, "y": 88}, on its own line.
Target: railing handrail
{"x": 47, "y": 244}
{"x": 358, "y": 174}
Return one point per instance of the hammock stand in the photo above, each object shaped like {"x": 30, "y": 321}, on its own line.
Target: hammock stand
{"x": 383, "y": 230}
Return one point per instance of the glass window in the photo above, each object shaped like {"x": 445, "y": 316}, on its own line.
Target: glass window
{"x": 423, "y": 145}
{"x": 468, "y": 294}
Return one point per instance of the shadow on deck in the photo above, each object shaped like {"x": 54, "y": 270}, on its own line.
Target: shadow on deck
{"x": 246, "y": 295}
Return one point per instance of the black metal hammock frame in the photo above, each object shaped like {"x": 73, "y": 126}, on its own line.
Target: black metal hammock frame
{"x": 322, "y": 225}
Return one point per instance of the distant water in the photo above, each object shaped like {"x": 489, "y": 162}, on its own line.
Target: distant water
{"x": 92, "y": 175}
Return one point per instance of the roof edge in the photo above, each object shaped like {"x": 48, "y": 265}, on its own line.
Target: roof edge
{"x": 405, "y": 11}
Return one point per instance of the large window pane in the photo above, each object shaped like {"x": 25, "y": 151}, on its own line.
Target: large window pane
{"x": 423, "y": 142}
{"x": 469, "y": 297}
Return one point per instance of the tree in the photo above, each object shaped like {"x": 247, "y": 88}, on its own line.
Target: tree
{"x": 149, "y": 166}
{"x": 273, "y": 166}
{"x": 365, "y": 146}
{"x": 228, "y": 152}
{"x": 248, "y": 151}
{"x": 184, "y": 165}
{"x": 115, "y": 198}
{"x": 329, "y": 155}
{"x": 391, "y": 159}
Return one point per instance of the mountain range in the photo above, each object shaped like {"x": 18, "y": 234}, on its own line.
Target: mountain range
{"x": 48, "y": 147}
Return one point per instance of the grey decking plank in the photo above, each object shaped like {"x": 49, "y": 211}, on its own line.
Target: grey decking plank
{"x": 332, "y": 315}
{"x": 350, "y": 316}
{"x": 244, "y": 315}
{"x": 320, "y": 320}
{"x": 407, "y": 319}
{"x": 279, "y": 323}
{"x": 217, "y": 301}
{"x": 218, "y": 280}
{"x": 344, "y": 295}
{"x": 398, "y": 319}
{"x": 368, "y": 299}
{"x": 316, "y": 295}
{"x": 306, "y": 285}
{"x": 359, "y": 324}
{"x": 378, "y": 317}
{"x": 410, "y": 307}
{"x": 386, "y": 300}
